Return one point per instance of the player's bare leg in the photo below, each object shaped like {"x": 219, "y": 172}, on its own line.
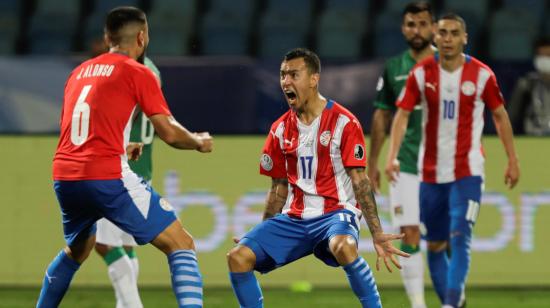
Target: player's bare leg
{"x": 344, "y": 249}
{"x": 413, "y": 267}
{"x": 179, "y": 247}
{"x": 121, "y": 273}
{"x": 241, "y": 261}
{"x": 61, "y": 271}
{"x": 438, "y": 262}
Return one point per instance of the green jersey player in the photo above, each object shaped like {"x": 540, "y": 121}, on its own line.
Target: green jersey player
{"x": 114, "y": 245}
{"x": 417, "y": 29}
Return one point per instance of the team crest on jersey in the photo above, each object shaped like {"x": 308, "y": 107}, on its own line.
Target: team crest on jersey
{"x": 266, "y": 162}
{"x": 359, "y": 152}
{"x": 468, "y": 88}
{"x": 324, "y": 139}
{"x": 165, "y": 205}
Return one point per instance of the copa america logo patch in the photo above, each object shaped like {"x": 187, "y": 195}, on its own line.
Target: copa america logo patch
{"x": 324, "y": 139}
{"x": 359, "y": 152}
{"x": 266, "y": 162}
{"x": 165, "y": 205}
{"x": 468, "y": 88}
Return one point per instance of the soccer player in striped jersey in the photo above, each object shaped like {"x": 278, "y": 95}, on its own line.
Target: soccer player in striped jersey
{"x": 92, "y": 178}
{"x": 315, "y": 155}
{"x": 453, "y": 89}
{"x": 115, "y": 246}
{"x": 417, "y": 28}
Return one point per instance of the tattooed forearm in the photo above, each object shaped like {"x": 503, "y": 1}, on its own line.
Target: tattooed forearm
{"x": 276, "y": 198}
{"x": 365, "y": 197}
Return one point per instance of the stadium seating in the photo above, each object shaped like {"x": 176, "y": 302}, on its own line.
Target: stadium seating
{"x": 284, "y": 25}
{"x": 341, "y": 32}
{"x": 536, "y": 7}
{"x": 359, "y": 5}
{"x": 171, "y": 24}
{"x": 388, "y": 39}
{"x": 396, "y": 6}
{"x": 9, "y": 24}
{"x": 512, "y": 32}
{"x": 226, "y": 27}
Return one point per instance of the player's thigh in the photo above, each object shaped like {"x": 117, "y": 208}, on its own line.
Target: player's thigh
{"x": 111, "y": 235}
{"x": 341, "y": 224}
{"x": 78, "y": 213}
{"x": 434, "y": 210}
{"x": 135, "y": 207}
{"x": 404, "y": 200}
{"x": 277, "y": 241}
{"x": 465, "y": 201}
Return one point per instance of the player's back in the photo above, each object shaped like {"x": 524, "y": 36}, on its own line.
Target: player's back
{"x": 100, "y": 99}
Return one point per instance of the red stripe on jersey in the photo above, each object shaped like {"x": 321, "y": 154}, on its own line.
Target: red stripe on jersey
{"x": 290, "y": 145}
{"x": 297, "y": 205}
{"x": 326, "y": 185}
{"x": 468, "y": 82}
{"x": 429, "y": 164}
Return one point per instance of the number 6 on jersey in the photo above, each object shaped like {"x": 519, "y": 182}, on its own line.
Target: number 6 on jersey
{"x": 81, "y": 118}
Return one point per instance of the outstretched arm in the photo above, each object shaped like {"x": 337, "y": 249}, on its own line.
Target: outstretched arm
{"x": 177, "y": 136}
{"x": 364, "y": 195}
{"x": 380, "y": 122}
{"x": 506, "y": 135}
{"x": 276, "y": 198}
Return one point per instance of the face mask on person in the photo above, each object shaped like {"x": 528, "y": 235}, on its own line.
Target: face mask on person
{"x": 542, "y": 64}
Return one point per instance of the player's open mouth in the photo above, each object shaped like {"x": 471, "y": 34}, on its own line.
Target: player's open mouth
{"x": 290, "y": 95}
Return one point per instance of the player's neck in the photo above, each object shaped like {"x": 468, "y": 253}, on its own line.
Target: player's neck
{"x": 419, "y": 55}
{"x": 313, "y": 109}
{"x": 452, "y": 64}
{"x": 123, "y": 51}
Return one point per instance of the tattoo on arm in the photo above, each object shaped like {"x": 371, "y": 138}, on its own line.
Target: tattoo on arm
{"x": 365, "y": 197}
{"x": 276, "y": 198}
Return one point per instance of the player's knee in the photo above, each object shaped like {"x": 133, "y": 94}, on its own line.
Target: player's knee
{"x": 412, "y": 235}
{"x": 344, "y": 249}
{"x": 102, "y": 249}
{"x": 241, "y": 259}
{"x": 437, "y": 246}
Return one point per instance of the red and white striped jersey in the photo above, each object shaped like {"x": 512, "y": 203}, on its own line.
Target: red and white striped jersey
{"x": 102, "y": 95}
{"x": 452, "y": 123}
{"x": 313, "y": 158}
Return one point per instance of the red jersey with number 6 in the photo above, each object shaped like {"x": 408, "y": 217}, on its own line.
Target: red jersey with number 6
{"x": 313, "y": 158}
{"x": 452, "y": 105}
{"x": 101, "y": 97}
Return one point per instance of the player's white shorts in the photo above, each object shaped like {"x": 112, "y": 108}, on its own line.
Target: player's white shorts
{"x": 109, "y": 234}
{"x": 404, "y": 200}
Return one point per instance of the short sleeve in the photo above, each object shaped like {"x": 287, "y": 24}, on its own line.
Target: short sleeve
{"x": 492, "y": 96}
{"x": 410, "y": 94}
{"x": 272, "y": 161}
{"x": 353, "y": 145}
{"x": 384, "y": 97}
{"x": 149, "y": 95}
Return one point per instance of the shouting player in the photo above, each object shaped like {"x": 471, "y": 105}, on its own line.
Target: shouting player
{"x": 315, "y": 155}
{"x": 453, "y": 89}
{"x": 417, "y": 28}
{"x": 92, "y": 178}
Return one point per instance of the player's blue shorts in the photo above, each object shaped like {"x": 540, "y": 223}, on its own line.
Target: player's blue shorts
{"x": 447, "y": 206}
{"x": 129, "y": 203}
{"x": 282, "y": 239}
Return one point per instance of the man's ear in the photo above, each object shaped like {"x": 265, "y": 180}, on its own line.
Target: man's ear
{"x": 314, "y": 80}
{"x": 141, "y": 38}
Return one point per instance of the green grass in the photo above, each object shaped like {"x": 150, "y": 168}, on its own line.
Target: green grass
{"x": 280, "y": 298}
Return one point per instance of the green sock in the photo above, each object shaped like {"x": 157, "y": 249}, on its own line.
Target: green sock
{"x": 410, "y": 249}
{"x": 131, "y": 254}
{"x": 113, "y": 255}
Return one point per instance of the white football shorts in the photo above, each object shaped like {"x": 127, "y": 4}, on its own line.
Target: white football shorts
{"x": 404, "y": 200}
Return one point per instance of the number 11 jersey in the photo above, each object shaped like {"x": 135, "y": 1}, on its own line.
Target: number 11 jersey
{"x": 313, "y": 158}
{"x": 102, "y": 95}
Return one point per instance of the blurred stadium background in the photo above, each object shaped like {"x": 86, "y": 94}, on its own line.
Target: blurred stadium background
{"x": 219, "y": 61}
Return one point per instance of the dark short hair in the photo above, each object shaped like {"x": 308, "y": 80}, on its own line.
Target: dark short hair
{"x": 418, "y": 7}
{"x": 541, "y": 42}
{"x": 455, "y": 17}
{"x": 312, "y": 61}
{"x": 120, "y": 17}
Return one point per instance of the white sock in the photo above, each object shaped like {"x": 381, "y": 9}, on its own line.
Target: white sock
{"x": 413, "y": 279}
{"x": 135, "y": 267}
{"x": 125, "y": 285}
